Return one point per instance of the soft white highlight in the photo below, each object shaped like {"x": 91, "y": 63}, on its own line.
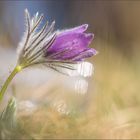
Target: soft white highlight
{"x": 81, "y": 86}
{"x": 84, "y": 69}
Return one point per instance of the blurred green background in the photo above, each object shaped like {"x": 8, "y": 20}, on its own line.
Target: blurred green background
{"x": 113, "y": 100}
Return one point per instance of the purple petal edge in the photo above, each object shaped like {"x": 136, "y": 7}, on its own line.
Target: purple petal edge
{"x": 79, "y": 29}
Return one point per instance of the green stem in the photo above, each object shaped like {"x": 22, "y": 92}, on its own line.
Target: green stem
{"x": 9, "y": 79}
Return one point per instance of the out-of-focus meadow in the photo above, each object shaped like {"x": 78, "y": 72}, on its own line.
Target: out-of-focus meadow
{"x": 47, "y": 105}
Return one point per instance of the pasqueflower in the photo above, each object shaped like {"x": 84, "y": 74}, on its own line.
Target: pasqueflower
{"x": 63, "y": 51}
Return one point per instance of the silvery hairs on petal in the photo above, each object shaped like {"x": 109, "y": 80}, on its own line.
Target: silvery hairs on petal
{"x": 35, "y": 41}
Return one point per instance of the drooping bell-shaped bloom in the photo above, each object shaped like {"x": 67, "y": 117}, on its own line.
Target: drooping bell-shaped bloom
{"x": 63, "y": 51}
{"x": 72, "y": 44}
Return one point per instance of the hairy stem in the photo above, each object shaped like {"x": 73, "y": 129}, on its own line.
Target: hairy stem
{"x": 9, "y": 79}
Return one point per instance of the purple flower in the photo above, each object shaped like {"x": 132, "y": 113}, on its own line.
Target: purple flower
{"x": 63, "y": 51}
{"x": 71, "y": 45}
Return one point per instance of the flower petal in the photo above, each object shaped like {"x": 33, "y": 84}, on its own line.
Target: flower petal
{"x": 80, "y": 29}
{"x": 69, "y": 45}
{"x": 85, "y": 54}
